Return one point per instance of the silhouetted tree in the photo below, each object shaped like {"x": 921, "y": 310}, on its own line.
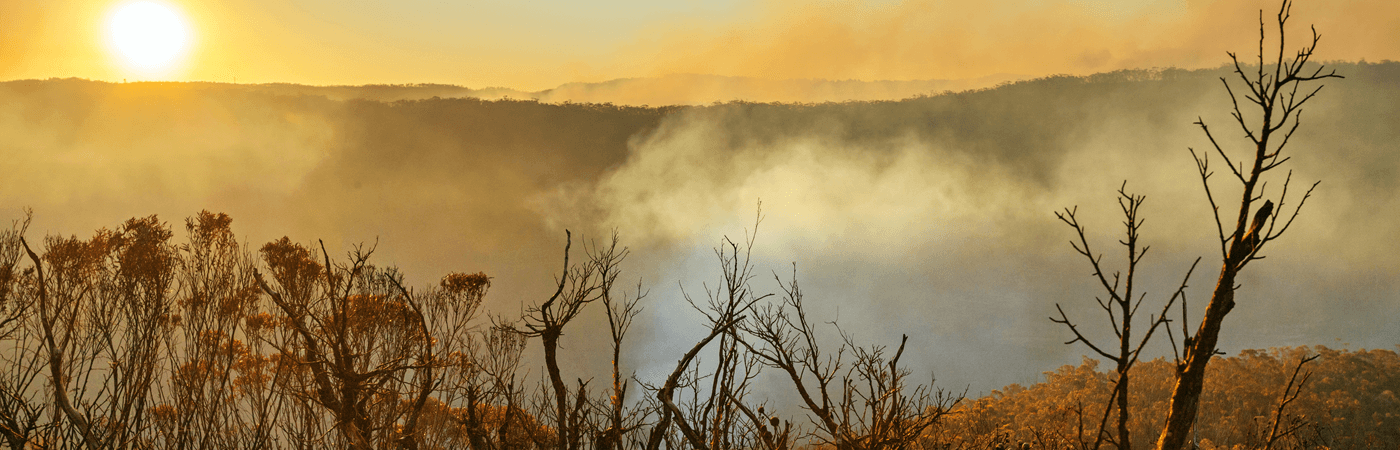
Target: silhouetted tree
{"x": 1273, "y": 88}
{"x": 621, "y": 313}
{"x": 577, "y": 286}
{"x": 1121, "y": 306}
{"x": 703, "y": 405}
{"x": 727, "y": 306}
{"x": 862, "y": 404}
{"x": 21, "y": 404}
{"x": 1277, "y": 429}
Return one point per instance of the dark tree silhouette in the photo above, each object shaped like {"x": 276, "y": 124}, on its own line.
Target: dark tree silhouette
{"x": 1125, "y": 300}
{"x": 1273, "y": 88}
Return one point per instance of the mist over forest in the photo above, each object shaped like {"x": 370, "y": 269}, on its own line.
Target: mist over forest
{"x": 929, "y": 216}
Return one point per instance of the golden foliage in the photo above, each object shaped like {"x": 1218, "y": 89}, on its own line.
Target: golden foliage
{"x": 292, "y": 265}
{"x": 1350, "y": 402}
{"x": 473, "y": 285}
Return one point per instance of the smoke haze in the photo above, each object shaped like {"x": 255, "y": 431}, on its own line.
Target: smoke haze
{"x": 940, "y": 39}
{"x": 929, "y": 216}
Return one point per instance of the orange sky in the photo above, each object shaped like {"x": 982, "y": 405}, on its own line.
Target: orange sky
{"x": 541, "y": 44}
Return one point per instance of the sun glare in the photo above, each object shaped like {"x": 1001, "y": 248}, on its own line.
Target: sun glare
{"x": 149, "y": 37}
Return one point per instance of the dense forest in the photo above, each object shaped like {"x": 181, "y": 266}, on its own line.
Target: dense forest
{"x": 1348, "y": 402}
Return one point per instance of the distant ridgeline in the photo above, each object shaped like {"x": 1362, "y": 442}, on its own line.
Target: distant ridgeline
{"x": 692, "y": 89}
{"x": 680, "y": 89}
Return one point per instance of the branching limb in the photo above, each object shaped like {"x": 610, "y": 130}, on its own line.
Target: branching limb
{"x": 1290, "y": 393}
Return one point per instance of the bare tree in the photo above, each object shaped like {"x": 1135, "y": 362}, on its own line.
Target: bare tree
{"x": 1121, "y": 306}
{"x": 620, "y": 317}
{"x": 1278, "y": 430}
{"x": 863, "y": 404}
{"x": 577, "y": 286}
{"x": 728, "y": 303}
{"x": 1273, "y": 88}
{"x": 21, "y": 405}
{"x": 772, "y": 433}
{"x": 713, "y": 393}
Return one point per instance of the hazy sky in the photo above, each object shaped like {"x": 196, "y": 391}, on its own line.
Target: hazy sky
{"x": 540, "y": 44}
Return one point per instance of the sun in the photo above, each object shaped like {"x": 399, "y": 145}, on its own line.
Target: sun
{"x": 149, "y": 37}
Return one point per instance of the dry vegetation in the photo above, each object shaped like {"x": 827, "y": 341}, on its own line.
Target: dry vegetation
{"x": 130, "y": 339}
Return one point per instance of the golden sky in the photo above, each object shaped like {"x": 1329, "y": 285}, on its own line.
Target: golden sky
{"x": 535, "y": 45}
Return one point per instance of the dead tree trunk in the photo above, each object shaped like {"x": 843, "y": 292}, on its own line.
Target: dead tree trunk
{"x": 1273, "y": 88}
